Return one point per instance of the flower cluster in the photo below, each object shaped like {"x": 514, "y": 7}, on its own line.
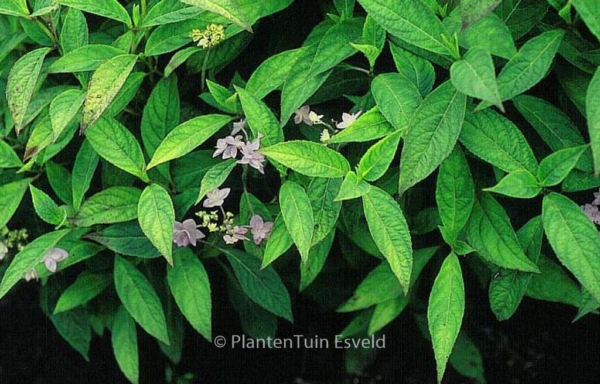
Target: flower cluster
{"x": 308, "y": 117}
{"x": 230, "y": 145}
{"x": 50, "y": 260}
{"x": 211, "y": 36}
{"x": 17, "y": 238}
{"x": 591, "y": 210}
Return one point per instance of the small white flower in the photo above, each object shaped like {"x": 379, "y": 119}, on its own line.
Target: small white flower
{"x": 3, "y": 250}
{"x": 302, "y": 115}
{"x": 325, "y": 136}
{"x": 314, "y": 118}
{"x": 234, "y": 234}
{"x": 238, "y": 126}
{"x": 53, "y": 257}
{"x": 31, "y": 275}
{"x": 260, "y": 229}
{"x": 216, "y": 197}
{"x": 348, "y": 119}
{"x": 186, "y": 233}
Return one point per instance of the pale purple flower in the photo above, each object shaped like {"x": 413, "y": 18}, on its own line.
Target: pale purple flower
{"x": 254, "y": 159}
{"x": 596, "y": 198}
{"x": 31, "y": 275}
{"x": 348, "y": 119}
{"x": 592, "y": 212}
{"x": 260, "y": 229}
{"x": 53, "y": 257}
{"x": 234, "y": 234}
{"x": 228, "y": 146}
{"x": 238, "y": 126}
{"x": 216, "y": 197}
{"x": 3, "y": 250}
{"x": 186, "y": 233}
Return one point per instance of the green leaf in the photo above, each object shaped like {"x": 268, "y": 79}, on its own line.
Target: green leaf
{"x": 190, "y": 287}
{"x": 85, "y": 288}
{"x": 161, "y": 113}
{"x": 14, "y": 8}
{"x": 74, "y": 327}
{"x": 12, "y": 194}
{"x": 140, "y": 299}
{"x": 85, "y": 165}
{"x": 117, "y": 145}
{"x": 489, "y": 231}
{"x": 352, "y": 187}
{"x": 496, "y": 140}
{"x": 46, "y": 208}
{"x": 475, "y": 76}
{"x": 125, "y": 345}
{"x": 472, "y": 11}
{"x": 126, "y": 239}
{"x": 8, "y": 157}
{"x": 529, "y": 65}
{"x": 445, "y": 311}
{"x": 376, "y": 161}
{"x": 417, "y": 70}
{"x": 308, "y": 158}
{"x": 104, "y": 85}
{"x": 396, "y": 97}
{"x": 321, "y": 192}
{"x": 41, "y": 137}
{"x": 411, "y": 21}
{"x": 60, "y": 181}
{"x": 315, "y": 262}
{"x": 112, "y": 205}
{"x": 554, "y": 284}
{"x": 590, "y": 13}
{"x": 555, "y": 167}
{"x": 466, "y": 358}
{"x": 491, "y": 34}
{"x": 592, "y": 110}
{"x": 260, "y": 119}
{"x": 263, "y": 286}
{"x": 278, "y": 243}
{"x": 521, "y": 15}
{"x": 28, "y": 258}
{"x": 22, "y": 79}
{"x": 186, "y": 137}
{"x": 435, "y": 127}
{"x": 455, "y": 193}
{"x": 108, "y": 8}
{"x": 574, "y": 239}
{"x": 85, "y": 58}
{"x": 390, "y": 232}
{"x": 74, "y": 32}
{"x": 169, "y": 11}
{"x": 215, "y": 176}
{"x": 520, "y": 184}
{"x": 226, "y": 8}
{"x": 370, "y": 126}
{"x": 126, "y": 94}
{"x": 156, "y": 216}
{"x": 297, "y": 214}
{"x": 64, "y": 108}
{"x": 271, "y": 73}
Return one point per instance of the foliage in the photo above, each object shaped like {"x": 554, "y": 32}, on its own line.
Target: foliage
{"x": 414, "y": 131}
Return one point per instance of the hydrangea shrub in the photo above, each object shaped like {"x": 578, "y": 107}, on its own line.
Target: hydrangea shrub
{"x": 147, "y": 142}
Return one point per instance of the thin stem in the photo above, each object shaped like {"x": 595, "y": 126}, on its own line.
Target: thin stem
{"x": 203, "y": 75}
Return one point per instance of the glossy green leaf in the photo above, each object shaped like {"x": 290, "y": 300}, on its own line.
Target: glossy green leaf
{"x": 390, "y": 232}
{"x": 554, "y": 284}
{"x": 369, "y": 126}
{"x": 60, "y": 181}
{"x": 521, "y": 15}
{"x": 555, "y": 167}
{"x": 215, "y": 176}
{"x": 491, "y": 34}
{"x": 278, "y": 243}
{"x": 592, "y": 110}
{"x": 520, "y": 184}
{"x": 156, "y": 216}
{"x": 489, "y": 231}
{"x": 28, "y": 258}
{"x": 186, "y": 137}
{"x": 396, "y": 98}
{"x": 417, "y": 70}
{"x": 455, "y": 193}
{"x": 85, "y": 58}
{"x": 260, "y": 119}
{"x": 21, "y": 83}
{"x": 271, "y": 73}
{"x": 590, "y": 13}
{"x": 379, "y": 286}
{"x": 315, "y": 262}
{"x": 74, "y": 32}
{"x": 263, "y": 286}
{"x": 161, "y": 113}
{"x": 411, "y": 21}
{"x": 169, "y": 11}
{"x": 574, "y": 239}
{"x": 226, "y": 8}
{"x": 112, "y": 205}
{"x": 190, "y": 287}
{"x": 85, "y": 288}
{"x": 321, "y": 192}
{"x": 445, "y": 311}
{"x": 104, "y": 85}
{"x": 352, "y": 187}
{"x": 435, "y": 128}
{"x": 108, "y": 8}
{"x": 475, "y": 76}
{"x": 8, "y": 157}
{"x": 472, "y": 11}
{"x": 140, "y": 299}
{"x": 84, "y": 168}
{"x": 376, "y": 161}
{"x": 297, "y": 214}
{"x": 126, "y": 239}
{"x": 126, "y": 94}
{"x": 14, "y": 8}
{"x": 64, "y": 108}
{"x": 308, "y": 158}
{"x": 117, "y": 145}
{"x": 496, "y": 140}
{"x": 125, "y": 345}
{"x": 46, "y": 208}
{"x": 12, "y": 194}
